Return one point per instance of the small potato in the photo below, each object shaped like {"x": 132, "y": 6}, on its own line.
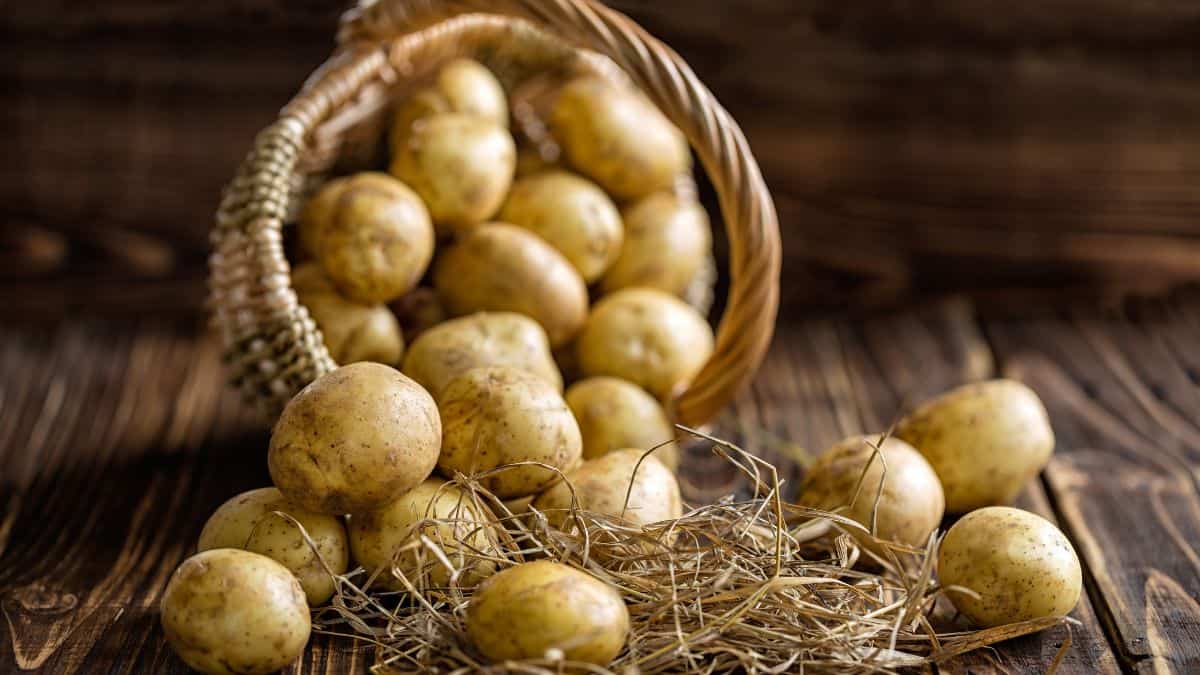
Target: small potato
{"x": 667, "y": 242}
{"x": 371, "y": 235}
{"x": 572, "y": 214}
{"x": 617, "y": 138}
{"x": 352, "y": 331}
{"x": 984, "y": 440}
{"x": 647, "y": 337}
{"x": 354, "y": 439}
{"x": 1019, "y": 563}
{"x": 615, "y": 414}
{"x": 461, "y": 165}
{"x": 376, "y": 535}
{"x": 481, "y": 339}
{"x": 602, "y": 484}
{"x": 849, "y": 475}
{"x": 470, "y": 88}
{"x": 424, "y": 103}
{"x": 501, "y": 267}
{"x": 248, "y": 522}
{"x": 500, "y": 415}
{"x": 231, "y": 611}
{"x": 528, "y": 610}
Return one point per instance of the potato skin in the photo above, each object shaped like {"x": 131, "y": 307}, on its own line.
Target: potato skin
{"x": 482, "y": 339}
{"x": 470, "y": 88}
{"x": 601, "y": 485}
{"x": 421, "y": 104}
{"x": 570, "y": 213}
{"x": 647, "y": 337}
{"x": 371, "y": 235}
{"x": 375, "y": 536}
{"x": 354, "y": 439}
{"x": 501, "y": 267}
{"x": 615, "y": 414}
{"x": 352, "y": 331}
{"x": 911, "y": 504}
{"x": 1019, "y": 563}
{"x": 984, "y": 440}
{"x": 617, "y": 138}
{"x": 232, "y": 611}
{"x": 525, "y": 610}
{"x": 667, "y": 241}
{"x": 499, "y": 415}
{"x": 460, "y": 165}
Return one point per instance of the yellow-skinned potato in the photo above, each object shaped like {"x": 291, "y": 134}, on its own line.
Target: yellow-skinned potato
{"x": 667, "y": 241}
{"x": 528, "y": 610}
{"x": 503, "y": 268}
{"x": 354, "y": 439}
{"x": 501, "y": 415}
{"x": 647, "y": 337}
{"x": 1019, "y": 563}
{"x": 984, "y": 440}
{"x": 911, "y": 504}
{"x": 371, "y": 235}
{"x": 352, "y": 331}
{"x": 376, "y": 535}
{"x": 471, "y": 88}
{"x": 601, "y": 486}
{"x": 460, "y": 165}
{"x": 482, "y": 339}
{"x": 247, "y": 521}
{"x": 617, "y": 138}
{"x": 232, "y": 611}
{"x": 572, "y": 214}
{"x": 421, "y": 104}
{"x": 615, "y": 414}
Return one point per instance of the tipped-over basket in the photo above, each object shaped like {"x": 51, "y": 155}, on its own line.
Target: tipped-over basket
{"x": 273, "y": 346}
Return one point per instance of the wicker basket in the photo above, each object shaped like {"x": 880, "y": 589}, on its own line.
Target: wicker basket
{"x": 271, "y": 343}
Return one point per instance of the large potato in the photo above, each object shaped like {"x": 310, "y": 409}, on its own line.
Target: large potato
{"x": 500, "y": 415}
{"x": 528, "y": 610}
{"x": 572, "y": 214}
{"x": 617, "y": 138}
{"x": 984, "y": 440}
{"x": 469, "y": 87}
{"x": 352, "y": 331}
{"x": 371, "y": 235}
{"x": 481, "y": 339}
{"x": 355, "y": 439}
{"x": 376, "y": 535}
{"x": 247, "y": 521}
{"x": 647, "y": 337}
{"x": 501, "y": 267}
{"x": 461, "y": 165}
{"x": 615, "y": 414}
{"x": 1020, "y": 565}
{"x": 667, "y": 241}
{"x": 232, "y": 611}
{"x": 602, "y": 485}
{"x": 851, "y": 474}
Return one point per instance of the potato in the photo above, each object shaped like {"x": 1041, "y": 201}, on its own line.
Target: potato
{"x": 461, "y": 165}
{"x": 481, "y": 339}
{"x": 615, "y": 414}
{"x": 911, "y": 503}
{"x": 1020, "y": 564}
{"x": 471, "y": 88}
{"x": 376, "y": 535}
{"x": 418, "y": 311}
{"x": 421, "y": 104}
{"x": 667, "y": 241}
{"x": 232, "y": 611}
{"x": 354, "y": 439}
{"x": 247, "y": 522}
{"x": 352, "y": 331}
{"x": 499, "y": 415}
{"x": 617, "y": 138}
{"x": 572, "y": 214}
{"x": 984, "y": 440}
{"x": 532, "y": 160}
{"x": 526, "y": 611}
{"x": 501, "y": 267}
{"x": 647, "y": 337}
{"x": 371, "y": 235}
{"x": 601, "y": 486}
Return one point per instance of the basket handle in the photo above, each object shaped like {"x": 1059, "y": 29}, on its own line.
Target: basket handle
{"x": 745, "y": 328}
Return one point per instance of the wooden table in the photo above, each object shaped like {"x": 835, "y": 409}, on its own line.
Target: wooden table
{"x": 116, "y": 442}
